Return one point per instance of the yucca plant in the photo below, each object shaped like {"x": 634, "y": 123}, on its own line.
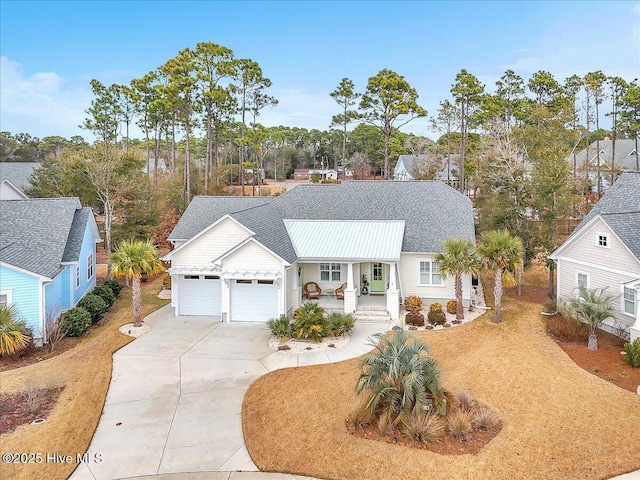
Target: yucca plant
{"x": 422, "y": 427}
{"x": 485, "y": 419}
{"x": 13, "y": 331}
{"x": 399, "y": 376}
{"x": 459, "y": 423}
{"x": 464, "y": 400}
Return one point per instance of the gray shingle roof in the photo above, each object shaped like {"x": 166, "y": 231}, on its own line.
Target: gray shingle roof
{"x": 620, "y": 208}
{"x": 34, "y": 233}
{"x": 17, "y": 173}
{"x": 203, "y": 211}
{"x": 76, "y": 234}
{"x": 433, "y": 212}
{"x": 625, "y": 158}
{"x": 447, "y": 171}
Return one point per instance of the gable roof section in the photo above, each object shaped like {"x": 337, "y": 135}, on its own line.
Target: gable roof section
{"x": 17, "y": 173}
{"x": 34, "y": 233}
{"x": 346, "y": 239}
{"x": 204, "y": 211}
{"x": 619, "y": 208}
{"x": 625, "y": 154}
{"x": 81, "y": 219}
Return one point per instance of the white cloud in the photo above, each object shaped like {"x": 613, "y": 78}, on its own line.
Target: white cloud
{"x": 41, "y": 104}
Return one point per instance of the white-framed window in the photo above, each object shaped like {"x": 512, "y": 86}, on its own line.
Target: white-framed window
{"x": 583, "y": 279}
{"x": 629, "y": 301}
{"x": 602, "y": 240}
{"x": 78, "y": 275}
{"x": 6, "y": 297}
{"x": 330, "y": 272}
{"x": 90, "y": 266}
{"x": 430, "y": 273}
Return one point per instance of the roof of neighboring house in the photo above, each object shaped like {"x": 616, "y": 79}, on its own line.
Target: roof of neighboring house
{"x": 619, "y": 207}
{"x": 432, "y": 212}
{"x": 39, "y": 234}
{"x": 625, "y": 158}
{"x": 17, "y": 173}
{"x": 407, "y": 161}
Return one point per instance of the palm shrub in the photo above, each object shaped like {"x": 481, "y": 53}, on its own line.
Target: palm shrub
{"x": 95, "y": 305}
{"x": 592, "y": 306}
{"x": 281, "y": 327}
{"x": 115, "y": 286}
{"x": 105, "y": 293}
{"x": 309, "y": 322}
{"x": 13, "y": 331}
{"x": 340, "y": 324}
{"x": 632, "y": 353}
{"x": 75, "y": 322}
{"x": 399, "y": 377}
{"x": 458, "y": 257}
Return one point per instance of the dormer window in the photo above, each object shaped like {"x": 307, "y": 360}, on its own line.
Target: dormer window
{"x": 602, "y": 240}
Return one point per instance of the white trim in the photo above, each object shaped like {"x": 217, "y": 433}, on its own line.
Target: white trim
{"x": 18, "y": 191}
{"x": 598, "y": 267}
{"x": 90, "y": 267}
{"x": 168, "y": 256}
{"x": 606, "y": 237}
{"x": 9, "y": 294}
{"x": 576, "y": 283}
{"x": 331, "y": 271}
{"x": 77, "y": 282}
{"x": 431, "y": 261}
{"x": 22, "y": 270}
{"x": 622, "y": 301}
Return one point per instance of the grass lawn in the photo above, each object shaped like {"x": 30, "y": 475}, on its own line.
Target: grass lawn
{"x": 85, "y": 371}
{"x": 560, "y": 421}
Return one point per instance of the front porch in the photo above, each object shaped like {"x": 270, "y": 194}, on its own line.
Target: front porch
{"x": 365, "y": 302}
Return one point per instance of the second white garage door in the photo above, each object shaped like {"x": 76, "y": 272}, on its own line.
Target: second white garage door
{"x": 254, "y": 300}
{"x": 199, "y": 295}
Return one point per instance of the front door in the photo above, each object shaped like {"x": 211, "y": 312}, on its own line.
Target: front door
{"x": 377, "y": 277}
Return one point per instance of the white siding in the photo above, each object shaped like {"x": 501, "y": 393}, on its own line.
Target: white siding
{"x": 250, "y": 258}
{"x": 311, "y": 273}
{"x": 210, "y": 245}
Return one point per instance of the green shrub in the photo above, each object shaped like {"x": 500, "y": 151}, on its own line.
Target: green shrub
{"x": 309, "y": 322}
{"x": 281, "y": 327}
{"x": 413, "y": 303}
{"x": 75, "y": 322}
{"x": 632, "y": 351}
{"x": 95, "y": 305}
{"x": 105, "y": 293}
{"x": 14, "y": 335}
{"x": 114, "y": 285}
{"x": 437, "y": 317}
{"x": 452, "y": 306}
{"x": 414, "y": 318}
{"x": 340, "y": 324}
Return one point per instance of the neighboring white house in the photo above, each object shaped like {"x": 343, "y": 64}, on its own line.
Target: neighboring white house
{"x": 407, "y": 166}
{"x": 248, "y": 258}
{"x": 604, "y": 251}
{"x": 14, "y": 179}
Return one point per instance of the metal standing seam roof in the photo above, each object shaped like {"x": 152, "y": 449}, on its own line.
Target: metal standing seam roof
{"x": 346, "y": 240}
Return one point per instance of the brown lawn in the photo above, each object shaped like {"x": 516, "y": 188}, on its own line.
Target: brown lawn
{"x": 85, "y": 372}
{"x": 560, "y": 421}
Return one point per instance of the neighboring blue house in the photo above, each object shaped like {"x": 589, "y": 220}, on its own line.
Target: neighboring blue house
{"x": 47, "y": 257}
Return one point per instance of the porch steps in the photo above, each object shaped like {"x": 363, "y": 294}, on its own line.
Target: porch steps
{"x": 365, "y": 315}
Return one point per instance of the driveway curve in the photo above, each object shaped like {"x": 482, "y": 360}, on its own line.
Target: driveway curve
{"x": 174, "y": 404}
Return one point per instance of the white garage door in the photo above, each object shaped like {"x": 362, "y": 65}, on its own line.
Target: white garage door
{"x": 254, "y": 300}
{"x": 199, "y": 295}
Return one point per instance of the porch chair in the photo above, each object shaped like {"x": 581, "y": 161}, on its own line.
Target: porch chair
{"x": 312, "y": 290}
{"x": 340, "y": 291}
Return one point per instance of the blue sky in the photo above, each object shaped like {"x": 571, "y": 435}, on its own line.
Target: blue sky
{"x": 51, "y": 50}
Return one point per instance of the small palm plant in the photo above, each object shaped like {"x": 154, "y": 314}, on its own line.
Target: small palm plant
{"x": 459, "y": 257}
{"x": 399, "y": 376}
{"x": 132, "y": 259}
{"x": 592, "y": 306}
{"x": 13, "y": 336}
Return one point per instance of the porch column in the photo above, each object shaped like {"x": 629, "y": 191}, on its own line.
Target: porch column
{"x": 350, "y": 298}
{"x": 393, "y": 294}
{"x": 634, "y": 331}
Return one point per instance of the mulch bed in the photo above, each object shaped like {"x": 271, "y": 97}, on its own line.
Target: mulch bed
{"x": 14, "y": 411}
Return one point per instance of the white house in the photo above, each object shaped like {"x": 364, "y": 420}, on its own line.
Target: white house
{"x": 604, "y": 251}
{"x": 14, "y": 179}
{"x": 247, "y": 259}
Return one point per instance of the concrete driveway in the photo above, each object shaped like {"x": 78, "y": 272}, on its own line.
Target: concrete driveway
{"x": 175, "y": 399}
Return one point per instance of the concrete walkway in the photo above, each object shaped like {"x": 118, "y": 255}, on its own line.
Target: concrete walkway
{"x": 175, "y": 400}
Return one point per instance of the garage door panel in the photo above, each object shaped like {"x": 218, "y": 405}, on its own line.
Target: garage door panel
{"x": 254, "y": 300}
{"x": 199, "y": 295}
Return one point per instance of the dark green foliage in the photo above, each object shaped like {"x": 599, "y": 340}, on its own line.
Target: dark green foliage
{"x": 437, "y": 318}
{"x": 105, "y": 293}
{"x": 114, "y": 285}
{"x": 632, "y": 351}
{"x": 281, "y": 327}
{"x": 95, "y": 305}
{"x": 340, "y": 324}
{"x": 414, "y": 318}
{"x": 76, "y": 322}
{"x": 309, "y": 322}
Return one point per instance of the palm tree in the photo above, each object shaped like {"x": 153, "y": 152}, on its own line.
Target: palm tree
{"x": 459, "y": 257}
{"x": 591, "y": 305}
{"x": 501, "y": 253}
{"x": 13, "y": 336}
{"x": 399, "y": 375}
{"x": 132, "y": 259}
